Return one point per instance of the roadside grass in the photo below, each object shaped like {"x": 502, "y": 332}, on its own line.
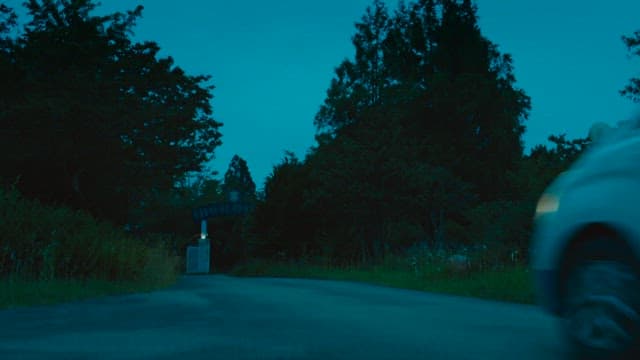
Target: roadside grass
{"x": 18, "y": 292}
{"x": 511, "y": 283}
{"x": 47, "y": 251}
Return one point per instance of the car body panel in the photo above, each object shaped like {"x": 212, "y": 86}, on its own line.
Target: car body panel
{"x": 546, "y": 287}
{"x": 603, "y": 188}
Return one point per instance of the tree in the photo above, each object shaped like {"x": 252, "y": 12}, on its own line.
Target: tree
{"x": 371, "y": 180}
{"x": 445, "y": 83}
{"x": 422, "y": 124}
{"x": 7, "y": 68}
{"x": 283, "y": 225}
{"x": 8, "y": 20}
{"x": 475, "y": 108}
{"x": 358, "y": 84}
{"x": 632, "y": 90}
{"x": 209, "y": 190}
{"x": 238, "y": 178}
{"x": 507, "y": 223}
{"x": 103, "y": 119}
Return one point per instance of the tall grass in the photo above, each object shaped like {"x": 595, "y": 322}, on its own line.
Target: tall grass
{"x": 422, "y": 270}
{"x": 45, "y": 243}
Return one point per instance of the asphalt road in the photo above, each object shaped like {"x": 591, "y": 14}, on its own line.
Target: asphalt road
{"x": 218, "y": 317}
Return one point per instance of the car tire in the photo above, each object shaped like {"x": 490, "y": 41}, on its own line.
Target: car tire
{"x": 602, "y": 305}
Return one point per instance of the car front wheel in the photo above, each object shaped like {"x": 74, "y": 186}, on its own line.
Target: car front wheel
{"x": 602, "y": 317}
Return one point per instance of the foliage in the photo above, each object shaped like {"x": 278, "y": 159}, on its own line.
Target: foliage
{"x": 282, "y": 225}
{"x": 632, "y": 90}
{"x": 444, "y": 82}
{"x": 509, "y": 222}
{"x": 511, "y": 283}
{"x": 238, "y": 178}
{"x": 8, "y": 20}
{"x": 45, "y": 242}
{"x": 229, "y": 235}
{"x": 419, "y": 142}
{"x": 422, "y": 124}
{"x": 107, "y": 121}
{"x": 169, "y": 211}
{"x": 370, "y": 180}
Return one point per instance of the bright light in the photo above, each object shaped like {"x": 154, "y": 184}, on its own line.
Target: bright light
{"x": 203, "y": 236}
{"x": 547, "y": 204}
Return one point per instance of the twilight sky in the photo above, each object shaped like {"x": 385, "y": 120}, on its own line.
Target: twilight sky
{"x": 272, "y": 62}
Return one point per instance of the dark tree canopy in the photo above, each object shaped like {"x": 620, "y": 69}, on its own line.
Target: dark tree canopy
{"x": 418, "y": 138}
{"x": 632, "y": 90}
{"x": 418, "y": 133}
{"x": 238, "y": 178}
{"x": 429, "y": 68}
{"x": 94, "y": 119}
{"x": 283, "y": 227}
{"x": 7, "y": 20}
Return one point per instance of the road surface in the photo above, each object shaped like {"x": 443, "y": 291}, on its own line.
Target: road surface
{"x": 219, "y": 317}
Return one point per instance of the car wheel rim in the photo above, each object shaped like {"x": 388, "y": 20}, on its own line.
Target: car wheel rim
{"x": 599, "y": 325}
{"x": 601, "y": 317}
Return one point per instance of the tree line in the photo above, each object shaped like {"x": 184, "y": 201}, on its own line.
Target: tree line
{"x": 419, "y": 139}
{"x": 90, "y": 118}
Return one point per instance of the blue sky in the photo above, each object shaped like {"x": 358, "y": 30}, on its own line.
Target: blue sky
{"x": 272, "y": 62}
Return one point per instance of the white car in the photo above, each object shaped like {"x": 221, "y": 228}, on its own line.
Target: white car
{"x": 586, "y": 248}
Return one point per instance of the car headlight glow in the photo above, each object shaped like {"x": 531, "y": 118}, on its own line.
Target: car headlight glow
{"x": 548, "y": 203}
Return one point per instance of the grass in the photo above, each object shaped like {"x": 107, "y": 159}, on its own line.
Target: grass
{"x": 158, "y": 272}
{"x": 58, "y": 245}
{"x": 17, "y": 292}
{"x": 512, "y": 284}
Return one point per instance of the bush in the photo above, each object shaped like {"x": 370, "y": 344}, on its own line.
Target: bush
{"x": 505, "y": 226}
{"x": 425, "y": 260}
{"x": 45, "y": 242}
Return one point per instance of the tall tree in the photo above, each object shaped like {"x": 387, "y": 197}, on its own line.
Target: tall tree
{"x": 361, "y": 83}
{"x": 106, "y": 119}
{"x": 238, "y": 178}
{"x": 632, "y": 90}
{"x": 371, "y": 179}
{"x": 475, "y": 108}
{"x": 282, "y": 222}
{"x": 7, "y": 22}
{"x": 445, "y": 82}
{"x": 423, "y": 122}
{"x": 7, "y": 60}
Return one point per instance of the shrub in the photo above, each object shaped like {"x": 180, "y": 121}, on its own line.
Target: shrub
{"x": 44, "y": 242}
